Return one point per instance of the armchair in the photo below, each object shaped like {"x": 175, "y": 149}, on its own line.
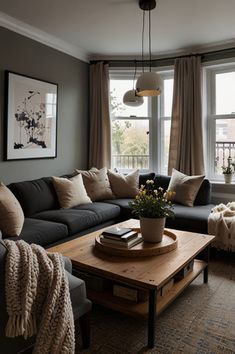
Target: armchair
{"x": 81, "y": 308}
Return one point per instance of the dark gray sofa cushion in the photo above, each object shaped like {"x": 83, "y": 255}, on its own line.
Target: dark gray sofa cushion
{"x": 103, "y": 211}
{"x": 35, "y": 196}
{"x": 124, "y": 205}
{"x": 190, "y": 219}
{"x": 203, "y": 196}
{"x": 75, "y": 220}
{"x": 42, "y": 232}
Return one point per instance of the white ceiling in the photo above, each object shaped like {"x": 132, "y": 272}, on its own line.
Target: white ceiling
{"x": 112, "y": 28}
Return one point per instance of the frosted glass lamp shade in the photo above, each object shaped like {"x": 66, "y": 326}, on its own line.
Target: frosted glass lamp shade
{"x": 149, "y": 84}
{"x": 131, "y": 99}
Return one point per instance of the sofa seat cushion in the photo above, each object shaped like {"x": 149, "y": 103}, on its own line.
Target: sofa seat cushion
{"x": 42, "y": 232}
{"x": 123, "y": 203}
{"x": 103, "y": 211}
{"x": 190, "y": 219}
{"x": 75, "y": 220}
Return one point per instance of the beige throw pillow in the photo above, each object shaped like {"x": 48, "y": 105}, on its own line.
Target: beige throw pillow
{"x": 124, "y": 186}
{"x": 70, "y": 192}
{"x": 185, "y": 187}
{"x": 11, "y": 213}
{"x": 97, "y": 184}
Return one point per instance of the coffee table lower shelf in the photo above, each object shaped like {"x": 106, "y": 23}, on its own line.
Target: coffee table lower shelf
{"x": 140, "y": 309}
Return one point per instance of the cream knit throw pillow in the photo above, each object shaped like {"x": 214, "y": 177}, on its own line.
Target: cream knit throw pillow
{"x": 38, "y": 299}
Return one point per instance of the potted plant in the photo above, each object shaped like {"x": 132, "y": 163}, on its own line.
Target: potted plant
{"x": 228, "y": 173}
{"x": 152, "y": 206}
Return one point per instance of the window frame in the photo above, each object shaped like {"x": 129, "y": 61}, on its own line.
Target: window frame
{"x": 155, "y": 117}
{"x": 210, "y": 115}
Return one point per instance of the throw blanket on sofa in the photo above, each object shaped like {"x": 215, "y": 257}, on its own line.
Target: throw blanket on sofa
{"x": 221, "y": 223}
{"x": 38, "y": 298}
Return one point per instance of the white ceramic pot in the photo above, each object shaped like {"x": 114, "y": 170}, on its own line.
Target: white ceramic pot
{"x": 152, "y": 229}
{"x": 228, "y": 178}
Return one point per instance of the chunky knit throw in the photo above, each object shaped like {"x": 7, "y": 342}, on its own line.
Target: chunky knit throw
{"x": 38, "y": 298}
{"x": 221, "y": 223}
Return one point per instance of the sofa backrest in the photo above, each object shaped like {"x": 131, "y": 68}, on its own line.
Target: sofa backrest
{"x": 145, "y": 176}
{"x": 203, "y": 196}
{"x": 35, "y": 196}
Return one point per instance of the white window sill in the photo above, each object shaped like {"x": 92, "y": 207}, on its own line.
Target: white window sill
{"x": 222, "y": 192}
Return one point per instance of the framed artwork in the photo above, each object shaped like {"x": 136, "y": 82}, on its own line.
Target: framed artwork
{"x": 31, "y": 118}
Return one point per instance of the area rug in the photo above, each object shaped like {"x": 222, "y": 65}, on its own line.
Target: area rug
{"x": 200, "y": 321}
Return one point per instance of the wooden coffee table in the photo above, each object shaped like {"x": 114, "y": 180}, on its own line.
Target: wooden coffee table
{"x": 146, "y": 273}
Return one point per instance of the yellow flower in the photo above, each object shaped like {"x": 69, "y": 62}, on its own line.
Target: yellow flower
{"x": 149, "y": 181}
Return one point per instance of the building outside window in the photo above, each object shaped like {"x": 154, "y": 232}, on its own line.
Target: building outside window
{"x": 140, "y": 135}
{"x": 220, "y": 82}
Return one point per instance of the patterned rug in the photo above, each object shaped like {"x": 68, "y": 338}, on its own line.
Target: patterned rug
{"x": 201, "y": 320}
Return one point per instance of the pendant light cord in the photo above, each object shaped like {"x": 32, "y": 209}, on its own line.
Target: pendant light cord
{"x": 150, "y": 49}
{"x": 143, "y": 27}
{"x": 134, "y": 75}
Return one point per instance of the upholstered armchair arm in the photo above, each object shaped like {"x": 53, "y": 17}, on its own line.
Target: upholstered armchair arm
{"x": 67, "y": 264}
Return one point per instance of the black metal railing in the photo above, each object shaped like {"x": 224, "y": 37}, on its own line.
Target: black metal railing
{"x": 223, "y": 151}
{"x": 131, "y": 161}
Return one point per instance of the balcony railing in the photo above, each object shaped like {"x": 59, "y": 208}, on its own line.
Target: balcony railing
{"x": 224, "y": 151}
{"x": 131, "y": 161}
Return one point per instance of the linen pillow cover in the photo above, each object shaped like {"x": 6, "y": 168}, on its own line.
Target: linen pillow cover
{"x": 97, "y": 184}
{"x": 11, "y": 213}
{"x": 124, "y": 186}
{"x": 185, "y": 187}
{"x": 70, "y": 192}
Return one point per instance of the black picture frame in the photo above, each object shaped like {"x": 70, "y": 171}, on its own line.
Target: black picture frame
{"x": 31, "y": 117}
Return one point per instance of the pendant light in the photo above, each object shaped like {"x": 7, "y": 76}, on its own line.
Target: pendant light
{"x": 149, "y": 83}
{"x": 130, "y": 98}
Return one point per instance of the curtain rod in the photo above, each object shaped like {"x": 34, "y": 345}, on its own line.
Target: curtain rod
{"x": 129, "y": 61}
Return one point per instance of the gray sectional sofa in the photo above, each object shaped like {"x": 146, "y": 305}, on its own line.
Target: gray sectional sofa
{"x": 46, "y": 224}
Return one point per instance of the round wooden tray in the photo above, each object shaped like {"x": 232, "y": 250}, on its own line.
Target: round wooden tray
{"x": 143, "y": 249}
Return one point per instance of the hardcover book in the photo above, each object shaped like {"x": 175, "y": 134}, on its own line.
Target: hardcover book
{"x": 121, "y": 244}
{"x": 116, "y": 231}
{"x": 125, "y": 238}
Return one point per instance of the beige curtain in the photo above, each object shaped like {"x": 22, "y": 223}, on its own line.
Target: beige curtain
{"x": 100, "y": 125}
{"x": 186, "y": 142}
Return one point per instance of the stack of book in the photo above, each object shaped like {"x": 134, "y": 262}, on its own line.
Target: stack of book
{"x": 120, "y": 237}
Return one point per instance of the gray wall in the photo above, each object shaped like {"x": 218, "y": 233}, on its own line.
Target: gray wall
{"x": 25, "y": 56}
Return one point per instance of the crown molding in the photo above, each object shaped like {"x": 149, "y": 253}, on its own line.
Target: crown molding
{"x": 207, "y": 48}
{"x": 38, "y": 35}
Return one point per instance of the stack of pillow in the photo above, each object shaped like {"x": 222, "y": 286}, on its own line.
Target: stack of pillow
{"x": 95, "y": 185}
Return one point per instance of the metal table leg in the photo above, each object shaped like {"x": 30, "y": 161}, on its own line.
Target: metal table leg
{"x": 152, "y": 317}
{"x": 206, "y": 258}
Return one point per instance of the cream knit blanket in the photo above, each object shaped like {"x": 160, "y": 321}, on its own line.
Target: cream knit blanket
{"x": 221, "y": 223}
{"x": 38, "y": 299}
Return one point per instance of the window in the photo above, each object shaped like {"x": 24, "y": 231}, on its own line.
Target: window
{"x": 165, "y": 119}
{"x": 220, "y": 118}
{"x": 130, "y": 129}
{"x": 140, "y": 135}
